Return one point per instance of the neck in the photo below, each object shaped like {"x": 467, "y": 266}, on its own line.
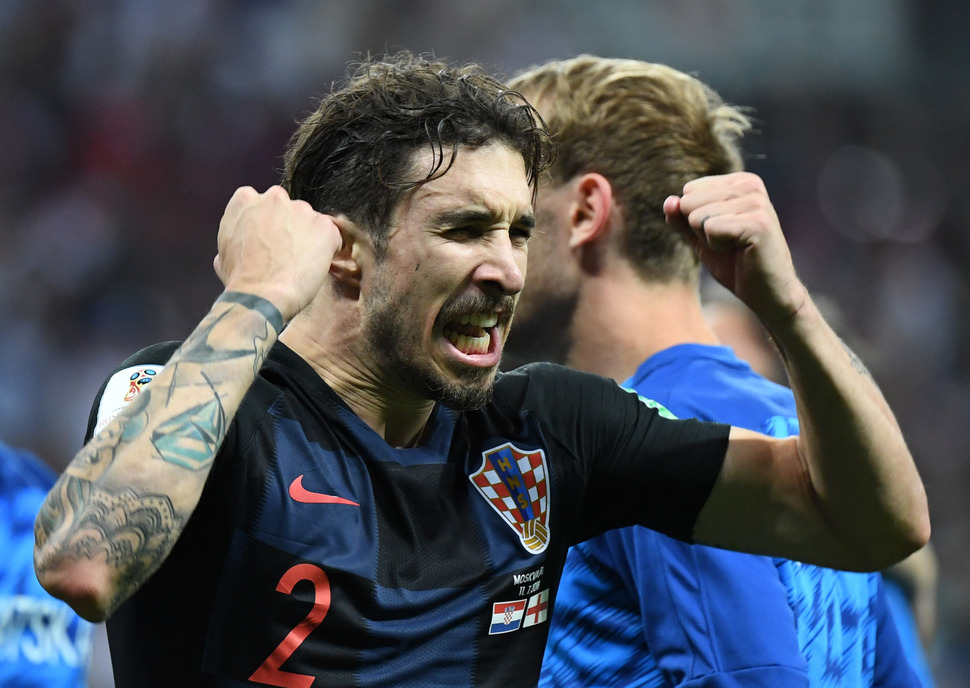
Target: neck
{"x": 620, "y": 321}
{"x": 400, "y": 418}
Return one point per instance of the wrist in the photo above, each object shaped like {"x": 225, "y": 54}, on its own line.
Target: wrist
{"x": 256, "y": 303}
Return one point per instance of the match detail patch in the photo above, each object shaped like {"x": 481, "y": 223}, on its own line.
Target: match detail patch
{"x": 515, "y": 614}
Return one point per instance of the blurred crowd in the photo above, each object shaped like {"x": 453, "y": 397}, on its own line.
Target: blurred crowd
{"x": 125, "y": 126}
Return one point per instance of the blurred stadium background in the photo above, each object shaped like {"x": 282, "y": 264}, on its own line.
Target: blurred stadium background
{"x": 125, "y": 126}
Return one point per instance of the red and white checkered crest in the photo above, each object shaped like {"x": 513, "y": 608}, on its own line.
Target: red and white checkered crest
{"x": 514, "y": 482}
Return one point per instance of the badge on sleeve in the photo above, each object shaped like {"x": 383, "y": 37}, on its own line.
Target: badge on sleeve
{"x": 123, "y": 387}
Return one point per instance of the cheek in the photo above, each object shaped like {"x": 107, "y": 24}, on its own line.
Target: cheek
{"x": 522, "y": 260}
{"x": 541, "y": 268}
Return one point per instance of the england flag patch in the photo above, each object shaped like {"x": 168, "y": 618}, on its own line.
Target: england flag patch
{"x": 537, "y": 610}
{"x": 514, "y": 482}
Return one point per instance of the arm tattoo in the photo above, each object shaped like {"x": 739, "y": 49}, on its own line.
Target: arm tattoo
{"x": 98, "y": 455}
{"x": 196, "y": 349}
{"x": 130, "y": 532}
{"x": 256, "y": 303}
{"x": 856, "y": 362}
{"x": 192, "y": 438}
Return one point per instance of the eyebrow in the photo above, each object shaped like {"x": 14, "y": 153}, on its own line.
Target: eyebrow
{"x": 479, "y": 216}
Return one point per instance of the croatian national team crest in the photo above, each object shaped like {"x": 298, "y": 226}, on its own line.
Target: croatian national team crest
{"x": 514, "y": 483}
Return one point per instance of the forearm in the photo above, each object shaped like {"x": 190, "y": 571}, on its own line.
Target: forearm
{"x": 861, "y": 473}
{"x": 121, "y": 504}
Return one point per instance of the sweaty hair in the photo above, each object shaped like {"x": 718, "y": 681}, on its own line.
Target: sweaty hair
{"x": 355, "y": 155}
{"x": 647, "y": 128}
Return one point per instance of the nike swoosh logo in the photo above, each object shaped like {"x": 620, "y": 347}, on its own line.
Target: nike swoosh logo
{"x": 301, "y": 494}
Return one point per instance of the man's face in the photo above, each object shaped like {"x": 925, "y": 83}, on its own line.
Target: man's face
{"x": 546, "y": 308}
{"x": 549, "y": 253}
{"x": 439, "y": 304}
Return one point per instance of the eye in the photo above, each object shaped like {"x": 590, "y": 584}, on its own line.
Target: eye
{"x": 520, "y": 235}
{"x": 464, "y": 233}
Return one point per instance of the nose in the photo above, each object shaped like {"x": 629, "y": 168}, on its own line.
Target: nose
{"x": 502, "y": 269}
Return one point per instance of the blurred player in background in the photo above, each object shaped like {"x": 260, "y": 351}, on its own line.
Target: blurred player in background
{"x": 614, "y": 290}
{"x": 43, "y": 643}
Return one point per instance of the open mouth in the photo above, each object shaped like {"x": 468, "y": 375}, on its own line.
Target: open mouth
{"x": 473, "y": 332}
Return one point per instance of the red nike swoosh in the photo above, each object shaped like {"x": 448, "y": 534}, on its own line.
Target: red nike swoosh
{"x": 301, "y": 494}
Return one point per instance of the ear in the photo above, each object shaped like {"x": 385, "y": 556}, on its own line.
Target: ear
{"x": 346, "y": 265}
{"x": 591, "y": 209}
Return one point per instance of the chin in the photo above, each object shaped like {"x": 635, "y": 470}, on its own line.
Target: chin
{"x": 466, "y": 395}
{"x": 467, "y": 399}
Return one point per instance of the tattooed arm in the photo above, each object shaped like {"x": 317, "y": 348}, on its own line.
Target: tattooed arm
{"x": 114, "y": 515}
{"x": 845, "y": 493}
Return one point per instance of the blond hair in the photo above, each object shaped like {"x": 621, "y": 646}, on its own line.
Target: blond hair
{"x": 647, "y": 128}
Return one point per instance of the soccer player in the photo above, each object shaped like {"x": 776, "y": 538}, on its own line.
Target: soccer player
{"x": 328, "y": 484}
{"x": 43, "y": 643}
{"x": 616, "y": 288}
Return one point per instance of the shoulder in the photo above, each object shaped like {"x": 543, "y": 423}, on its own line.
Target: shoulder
{"x": 571, "y": 403}
{"x": 553, "y": 386}
{"x": 711, "y": 383}
{"x": 543, "y": 373}
{"x": 126, "y": 382}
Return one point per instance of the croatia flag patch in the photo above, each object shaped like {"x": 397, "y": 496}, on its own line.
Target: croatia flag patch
{"x": 506, "y": 616}
{"x": 514, "y": 482}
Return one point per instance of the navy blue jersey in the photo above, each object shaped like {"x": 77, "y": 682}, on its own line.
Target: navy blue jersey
{"x": 321, "y": 556}
{"x": 637, "y": 608}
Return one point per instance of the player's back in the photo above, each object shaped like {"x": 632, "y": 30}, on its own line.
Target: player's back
{"x": 636, "y": 605}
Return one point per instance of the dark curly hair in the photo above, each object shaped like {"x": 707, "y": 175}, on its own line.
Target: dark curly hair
{"x": 355, "y": 154}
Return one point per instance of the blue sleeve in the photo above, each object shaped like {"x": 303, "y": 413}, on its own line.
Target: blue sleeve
{"x": 894, "y": 666}
{"x": 710, "y": 617}
{"x": 43, "y": 643}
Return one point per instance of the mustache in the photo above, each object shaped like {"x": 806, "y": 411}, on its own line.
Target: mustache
{"x": 477, "y": 303}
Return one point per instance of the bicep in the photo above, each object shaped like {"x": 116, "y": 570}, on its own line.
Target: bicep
{"x": 764, "y": 502}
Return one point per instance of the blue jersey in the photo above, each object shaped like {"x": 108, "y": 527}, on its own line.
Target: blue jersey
{"x": 319, "y": 555}
{"x": 636, "y": 608}
{"x": 902, "y": 614}
{"x": 43, "y": 643}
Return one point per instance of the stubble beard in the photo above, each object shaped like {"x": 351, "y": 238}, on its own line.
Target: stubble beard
{"x": 391, "y": 337}
{"x": 542, "y": 333}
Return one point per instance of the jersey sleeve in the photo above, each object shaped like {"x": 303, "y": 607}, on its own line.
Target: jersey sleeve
{"x": 639, "y": 466}
{"x": 126, "y": 382}
{"x": 896, "y": 665}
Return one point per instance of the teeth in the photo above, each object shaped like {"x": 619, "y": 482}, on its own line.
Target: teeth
{"x": 469, "y": 345}
{"x": 479, "y": 320}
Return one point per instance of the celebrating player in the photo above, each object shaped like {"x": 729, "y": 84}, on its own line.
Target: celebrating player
{"x": 327, "y": 483}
